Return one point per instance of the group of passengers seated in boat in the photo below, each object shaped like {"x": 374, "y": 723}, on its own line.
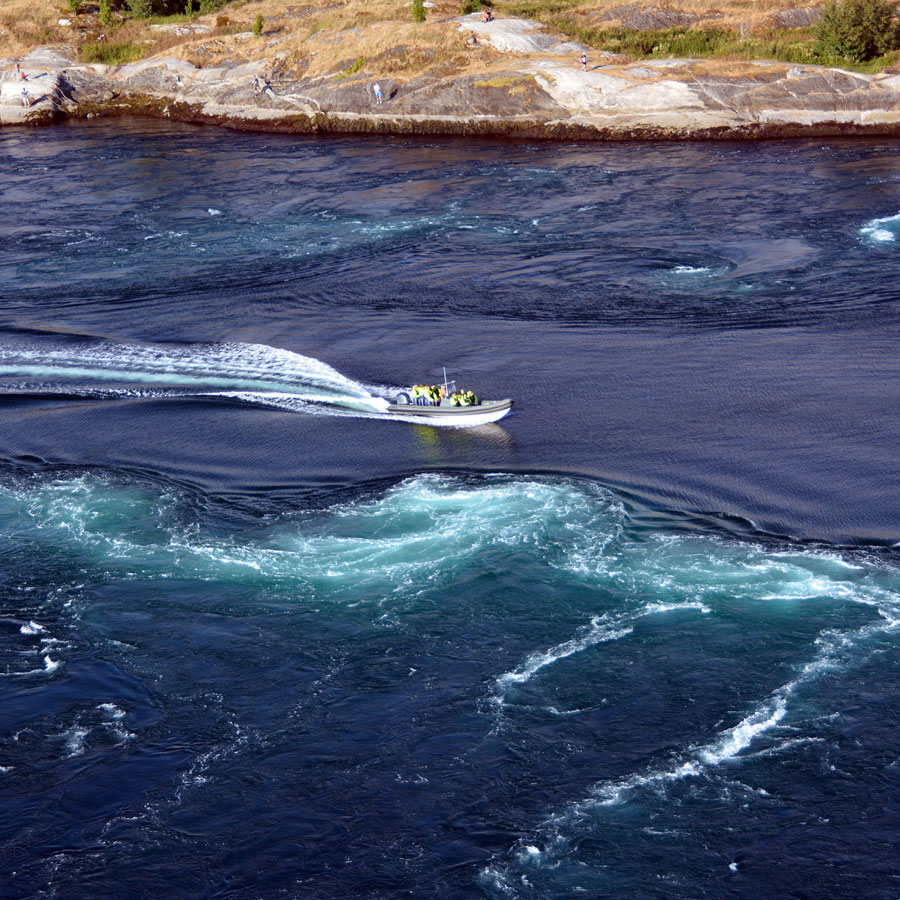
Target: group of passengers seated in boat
{"x": 464, "y": 398}
{"x": 432, "y": 394}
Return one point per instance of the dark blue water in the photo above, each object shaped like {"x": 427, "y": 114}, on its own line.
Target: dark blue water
{"x": 257, "y": 640}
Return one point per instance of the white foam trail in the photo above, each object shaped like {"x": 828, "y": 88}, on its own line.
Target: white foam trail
{"x": 75, "y": 741}
{"x": 882, "y": 230}
{"x": 32, "y": 628}
{"x": 111, "y": 722}
{"x": 370, "y": 407}
{"x": 597, "y": 633}
{"x": 731, "y": 743}
{"x": 493, "y": 878}
{"x": 738, "y": 738}
{"x": 835, "y": 651}
{"x": 250, "y": 371}
{"x": 51, "y": 665}
{"x": 602, "y": 628}
{"x": 688, "y": 567}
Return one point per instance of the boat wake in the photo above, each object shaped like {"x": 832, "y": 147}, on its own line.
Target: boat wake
{"x": 249, "y": 373}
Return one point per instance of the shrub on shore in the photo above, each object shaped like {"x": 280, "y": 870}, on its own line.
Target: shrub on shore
{"x": 797, "y": 45}
{"x": 145, "y": 9}
{"x": 858, "y": 29}
{"x": 418, "y": 10}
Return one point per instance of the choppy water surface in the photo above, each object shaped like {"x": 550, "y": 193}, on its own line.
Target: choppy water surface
{"x": 257, "y": 640}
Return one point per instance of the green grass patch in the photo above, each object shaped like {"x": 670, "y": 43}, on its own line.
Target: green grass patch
{"x": 797, "y": 45}
{"x": 354, "y": 67}
{"x": 499, "y": 81}
{"x": 174, "y": 19}
{"x": 111, "y": 54}
{"x": 538, "y": 9}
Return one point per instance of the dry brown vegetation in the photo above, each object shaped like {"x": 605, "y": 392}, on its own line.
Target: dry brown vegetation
{"x": 26, "y": 23}
{"x": 318, "y": 37}
{"x": 379, "y": 37}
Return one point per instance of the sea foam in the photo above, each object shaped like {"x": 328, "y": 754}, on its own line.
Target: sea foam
{"x": 882, "y": 230}
{"x": 254, "y": 373}
{"x": 836, "y": 650}
{"x": 601, "y": 628}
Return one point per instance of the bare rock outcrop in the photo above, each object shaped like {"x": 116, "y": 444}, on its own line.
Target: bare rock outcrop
{"x": 636, "y": 17}
{"x": 796, "y": 17}
{"x": 516, "y": 36}
{"x": 536, "y": 94}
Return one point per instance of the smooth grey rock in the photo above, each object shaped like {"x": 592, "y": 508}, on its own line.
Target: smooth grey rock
{"x": 511, "y": 35}
{"x": 635, "y": 17}
{"x": 797, "y": 17}
{"x": 182, "y": 29}
{"x": 547, "y": 94}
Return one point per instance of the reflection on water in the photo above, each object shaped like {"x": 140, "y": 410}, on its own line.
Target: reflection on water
{"x": 445, "y": 447}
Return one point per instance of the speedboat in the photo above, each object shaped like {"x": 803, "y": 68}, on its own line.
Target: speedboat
{"x": 445, "y": 412}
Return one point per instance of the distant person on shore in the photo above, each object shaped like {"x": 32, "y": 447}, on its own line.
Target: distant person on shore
{"x": 26, "y": 100}
{"x": 487, "y": 16}
{"x": 584, "y": 60}
{"x": 377, "y": 90}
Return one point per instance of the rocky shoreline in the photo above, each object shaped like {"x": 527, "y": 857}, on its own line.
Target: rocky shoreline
{"x": 543, "y": 93}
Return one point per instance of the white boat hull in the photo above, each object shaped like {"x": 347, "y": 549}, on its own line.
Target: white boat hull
{"x": 457, "y": 416}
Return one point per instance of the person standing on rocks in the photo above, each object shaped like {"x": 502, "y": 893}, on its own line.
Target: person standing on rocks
{"x": 377, "y": 90}
{"x": 584, "y": 60}
{"x": 26, "y": 100}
